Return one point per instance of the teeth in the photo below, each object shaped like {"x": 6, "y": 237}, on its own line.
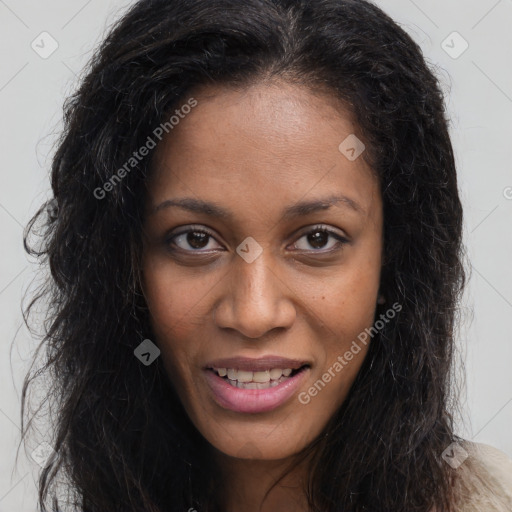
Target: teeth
{"x": 261, "y": 377}
{"x": 242, "y": 376}
{"x": 253, "y": 385}
{"x": 275, "y": 374}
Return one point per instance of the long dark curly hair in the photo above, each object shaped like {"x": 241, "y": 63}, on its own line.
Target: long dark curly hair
{"x": 122, "y": 441}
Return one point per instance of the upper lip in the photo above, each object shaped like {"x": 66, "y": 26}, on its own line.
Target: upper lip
{"x": 259, "y": 364}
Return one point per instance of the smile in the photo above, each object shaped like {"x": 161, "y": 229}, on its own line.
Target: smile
{"x": 254, "y": 380}
{"x": 254, "y": 391}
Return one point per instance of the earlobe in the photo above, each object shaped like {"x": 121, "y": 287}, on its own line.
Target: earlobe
{"x": 381, "y": 299}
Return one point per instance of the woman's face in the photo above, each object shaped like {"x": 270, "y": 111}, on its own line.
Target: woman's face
{"x": 261, "y": 262}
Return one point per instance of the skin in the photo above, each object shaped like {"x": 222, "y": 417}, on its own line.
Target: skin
{"x": 255, "y": 152}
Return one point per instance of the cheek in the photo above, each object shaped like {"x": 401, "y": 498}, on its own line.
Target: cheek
{"x": 346, "y": 311}
{"x": 355, "y": 308}
{"x": 177, "y": 308}
{"x": 176, "y": 299}
{"x": 346, "y": 308}
{"x": 347, "y": 305}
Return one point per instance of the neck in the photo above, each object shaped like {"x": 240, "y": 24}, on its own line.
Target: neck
{"x": 247, "y": 482}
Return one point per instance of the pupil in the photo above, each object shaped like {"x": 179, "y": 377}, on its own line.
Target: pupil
{"x": 197, "y": 239}
{"x": 318, "y": 238}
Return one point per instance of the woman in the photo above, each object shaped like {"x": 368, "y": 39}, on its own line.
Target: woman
{"x": 255, "y": 255}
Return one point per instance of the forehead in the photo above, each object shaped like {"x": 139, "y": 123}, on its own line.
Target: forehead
{"x": 269, "y": 142}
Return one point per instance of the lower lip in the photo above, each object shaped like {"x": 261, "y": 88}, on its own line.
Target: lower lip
{"x": 253, "y": 400}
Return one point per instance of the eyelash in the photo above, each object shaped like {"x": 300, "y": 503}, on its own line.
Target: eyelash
{"x": 341, "y": 239}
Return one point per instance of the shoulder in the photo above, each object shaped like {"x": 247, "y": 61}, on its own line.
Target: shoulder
{"x": 484, "y": 480}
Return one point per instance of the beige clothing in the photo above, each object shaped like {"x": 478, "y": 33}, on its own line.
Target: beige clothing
{"x": 486, "y": 483}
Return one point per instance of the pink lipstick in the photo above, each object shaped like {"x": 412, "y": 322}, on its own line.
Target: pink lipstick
{"x": 248, "y": 385}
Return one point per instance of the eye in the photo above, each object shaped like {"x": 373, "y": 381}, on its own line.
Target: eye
{"x": 198, "y": 239}
{"x": 318, "y": 238}
{"x": 192, "y": 240}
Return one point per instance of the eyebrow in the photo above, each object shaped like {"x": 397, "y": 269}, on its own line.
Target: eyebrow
{"x": 300, "y": 209}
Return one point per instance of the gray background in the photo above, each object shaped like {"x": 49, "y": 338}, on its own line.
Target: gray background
{"x": 479, "y": 87}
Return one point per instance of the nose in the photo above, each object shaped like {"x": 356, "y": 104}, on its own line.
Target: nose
{"x": 256, "y": 299}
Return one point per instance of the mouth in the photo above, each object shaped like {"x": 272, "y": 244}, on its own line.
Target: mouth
{"x": 265, "y": 379}
{"x": 255, "y": 385}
